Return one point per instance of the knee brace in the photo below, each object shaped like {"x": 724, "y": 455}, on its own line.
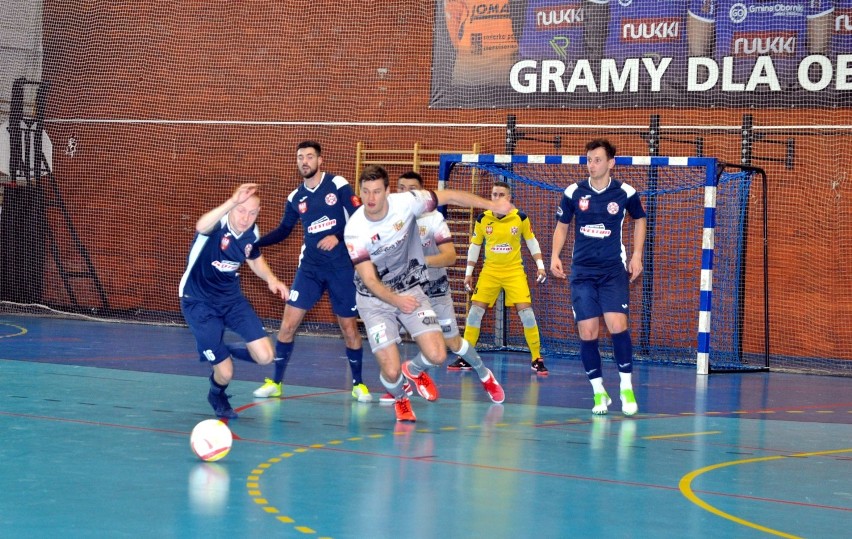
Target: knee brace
{"x": 527, "y": 317}
{"x": 474, "y": 317}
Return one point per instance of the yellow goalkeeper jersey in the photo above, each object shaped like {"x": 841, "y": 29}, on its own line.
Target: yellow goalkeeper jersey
{"x": 501, "y": 238}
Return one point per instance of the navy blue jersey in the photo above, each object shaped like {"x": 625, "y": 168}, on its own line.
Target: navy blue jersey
{"x": 212, "y": 268}
{"x": 599, "y": 216}
{"x": 323, "y": 211}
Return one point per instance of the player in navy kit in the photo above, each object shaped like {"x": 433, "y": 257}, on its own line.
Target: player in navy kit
{"x": 600, "y": 271}
{"x": 211, "y": 299}
{"x": 323, "y": 202}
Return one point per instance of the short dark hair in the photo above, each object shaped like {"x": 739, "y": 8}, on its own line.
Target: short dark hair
{"x": 594, "y": 144}
{"x": 372, "y": 173}
{"x": 504, "y": 185}
{"x": 309, "y": 144}
{"x": 411, "y": 175}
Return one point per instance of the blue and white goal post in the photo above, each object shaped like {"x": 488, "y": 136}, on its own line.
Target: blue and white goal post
{"x": 694, "y": 256}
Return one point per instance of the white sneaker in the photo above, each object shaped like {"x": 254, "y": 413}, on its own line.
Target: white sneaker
{"x": 628, "y": 402}
{"x": 602, "y": 401}
{"x": 361, "y": 393}
{"x": 268, "y": 389}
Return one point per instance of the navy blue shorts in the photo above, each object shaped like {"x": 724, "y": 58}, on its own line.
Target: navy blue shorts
{"x": 207, "y": 322}
{"x": 309, "y": 285}
{"x": 595, "y": 294}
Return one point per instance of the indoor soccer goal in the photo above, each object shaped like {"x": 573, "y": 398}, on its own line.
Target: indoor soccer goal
{"x": 701, "y": 298}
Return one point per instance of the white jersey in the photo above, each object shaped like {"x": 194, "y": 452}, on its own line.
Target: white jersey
{"x": 433, "y": 233}
{"x": 392, "y": 243}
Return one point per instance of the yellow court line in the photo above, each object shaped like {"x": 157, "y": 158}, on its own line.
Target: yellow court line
{"x": 682, "y": 435}
{"x": 685, "y": 486}
{"x": 23, "y": 331}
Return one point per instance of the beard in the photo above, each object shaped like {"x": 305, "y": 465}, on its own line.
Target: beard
{"x": 309, "y": 173}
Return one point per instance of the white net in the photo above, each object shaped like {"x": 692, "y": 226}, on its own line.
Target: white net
{"x": 147, "y": 114}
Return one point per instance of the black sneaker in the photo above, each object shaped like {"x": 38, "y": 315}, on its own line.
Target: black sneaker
{"x": 221, "y": 405}
{"x": 538, "y": 366}
{"x": 459, "y": 365}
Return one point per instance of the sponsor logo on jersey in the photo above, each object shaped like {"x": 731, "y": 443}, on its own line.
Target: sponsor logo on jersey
{"x": 389, "y": 247}
{"x": 651, "y": 30}
{"x": 375, "y": 238}
{"x": 565, "y": 16}
{"x": 227, "y": 266}
{"x": 321, "y": 225}
{"x": 303, "y": 207}
{"x": 766, "y": 43}
{"x": 584, "y": 203}
{"x": 331, "y": 199}
{"x": 612, "y": 208}
{"x": 225, "y": 242}
{"x": 502, "y": 248}
{"x": 398, "y": 225}
{"x": 595, "y": 231}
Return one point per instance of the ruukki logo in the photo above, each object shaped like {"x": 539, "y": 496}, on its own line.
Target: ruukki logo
{"x": 565, "y": 16}
{"x": 650, "y": 30}
{"x": 775, "y": 44}
{"x": 843, "y": 21}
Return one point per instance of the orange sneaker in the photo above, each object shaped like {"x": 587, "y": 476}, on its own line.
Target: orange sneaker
{"x": 423, "y": 382}
{"x": 495, "y": 391}
{"x": 404, "y": 411}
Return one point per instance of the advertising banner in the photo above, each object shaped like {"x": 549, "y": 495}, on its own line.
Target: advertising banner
{"x": 632, "y": 53}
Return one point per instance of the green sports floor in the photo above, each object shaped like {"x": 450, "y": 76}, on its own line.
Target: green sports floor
{"x": 95, "y": 421}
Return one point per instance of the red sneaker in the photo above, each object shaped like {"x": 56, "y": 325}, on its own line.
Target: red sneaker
{"x": 387, "y": 398}
{"x": 423, "y": 382}
{"x": 495, "y": 391}
{"x": 404, "y": 411}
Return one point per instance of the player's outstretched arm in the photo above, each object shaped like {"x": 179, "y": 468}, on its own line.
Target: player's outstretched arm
{"x": 261, "y": 269}
{"x": 469, "y": 200}
{"x": 207, "y": 222}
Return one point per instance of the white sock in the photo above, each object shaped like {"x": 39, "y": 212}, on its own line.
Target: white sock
{"x": 597, "y": 385}
{"x": 626, "y": 380}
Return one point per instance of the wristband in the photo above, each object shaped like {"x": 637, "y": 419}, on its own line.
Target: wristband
{"x": 539, "y": 264}
{"x": 468, "y": 271}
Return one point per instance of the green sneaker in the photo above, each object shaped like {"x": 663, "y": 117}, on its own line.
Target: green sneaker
{"x": 268, "y": 389}
{"x": 628, "y": 402}
{"x": 360, "y": 392}
{"x": 602, "y": 400}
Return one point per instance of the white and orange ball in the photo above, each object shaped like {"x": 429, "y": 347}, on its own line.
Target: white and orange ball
{"x": 211, "y": 440}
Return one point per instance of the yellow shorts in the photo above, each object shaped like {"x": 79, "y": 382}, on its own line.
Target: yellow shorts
{"x": 490, "y": 283}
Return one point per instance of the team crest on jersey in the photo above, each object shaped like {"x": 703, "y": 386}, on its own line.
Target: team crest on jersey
{"x": 248, "y": 249}
{"x": 489, "y": 230}
{"x": 514, "y": 231}
{"x": 612, "y": 208}
{"x": 303, "y": 207}
{"x": 584, "y": 203}
{"x": 398, "y": 225}
{"x": 331, "y": 199}
{"x": 423, "y": 231}
{"x": 225, "y": 242}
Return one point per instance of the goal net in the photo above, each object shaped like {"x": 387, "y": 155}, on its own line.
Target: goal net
{"x": 694, "y": 297}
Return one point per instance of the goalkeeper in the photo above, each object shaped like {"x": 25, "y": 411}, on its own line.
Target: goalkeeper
{"x": 600, "y": 272}
{"x": 503, "y": 269}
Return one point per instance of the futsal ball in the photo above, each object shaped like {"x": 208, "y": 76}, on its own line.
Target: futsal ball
{"x": 211, "y": 440}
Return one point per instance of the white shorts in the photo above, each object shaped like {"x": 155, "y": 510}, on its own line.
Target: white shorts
{"x": 446, "y": 313}
{"x": 382, "y": 320}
